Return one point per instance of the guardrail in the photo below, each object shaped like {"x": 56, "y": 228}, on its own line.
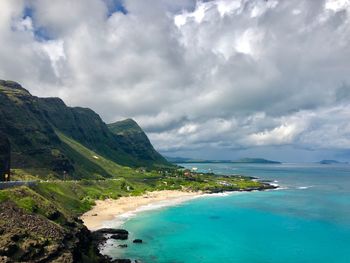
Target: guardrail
{"x": 4, "y": 185}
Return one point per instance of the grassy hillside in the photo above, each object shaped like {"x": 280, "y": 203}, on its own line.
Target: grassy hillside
{"x": 31, "y": 124}
{"x": 91, "y": 162}
{"x": 135, "y": 142}
{"x": 37, "y": 229}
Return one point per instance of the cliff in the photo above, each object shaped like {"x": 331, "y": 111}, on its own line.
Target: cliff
{"x": 32, "y": 126}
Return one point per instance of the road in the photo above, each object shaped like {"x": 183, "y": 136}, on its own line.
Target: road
{"x": 4, "y": 185}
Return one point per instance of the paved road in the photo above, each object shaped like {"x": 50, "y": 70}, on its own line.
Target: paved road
{"x": 4, "y": 185}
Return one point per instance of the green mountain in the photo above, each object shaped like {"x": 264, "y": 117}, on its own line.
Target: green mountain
{"x": 36, "y": 127}
{"x": 255, "y": 160}
{"x": 242, "y": 160}
{"x": 331, "y": 162}
{"x": 134, "y": 141}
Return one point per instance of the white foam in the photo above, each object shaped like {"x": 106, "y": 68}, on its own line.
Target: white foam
{"x": 304, "y": 187}
{"x": 119, "y": 220}
{"x": 280, "y": 188}
{"x": 122, "y": 218}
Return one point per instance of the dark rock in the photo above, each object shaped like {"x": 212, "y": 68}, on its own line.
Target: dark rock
{"x": 120, "y": 236}
{"x": 54, "y": 215}
{"x": 28, "y": 237}
{"x": 123, "y": 245}
{"x": 99, "y": 235}
{"x": 120, "y": 260}
{"x": 9, "y": 250}
{"x": 137, "y": 241}
{"x": 112, "y": 231}
{"x": 71, "y": 224}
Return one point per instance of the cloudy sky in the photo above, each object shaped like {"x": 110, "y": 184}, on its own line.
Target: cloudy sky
{"x": 215, "y": 79}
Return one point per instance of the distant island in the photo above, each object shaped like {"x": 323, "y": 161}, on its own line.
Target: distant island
{"x": 242, "y": 160}
{"x": 331, "y": 162}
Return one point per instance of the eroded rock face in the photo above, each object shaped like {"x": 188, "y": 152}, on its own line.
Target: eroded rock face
{"x": 30, "y": 237}
{"x": 5, "y": 157}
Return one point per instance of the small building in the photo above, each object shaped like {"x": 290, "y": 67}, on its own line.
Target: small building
{"x": 141, "y": 170}
{"x": 187, "y": 173}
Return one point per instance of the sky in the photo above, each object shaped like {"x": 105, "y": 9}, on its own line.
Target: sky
{"x": 219, "y": 79}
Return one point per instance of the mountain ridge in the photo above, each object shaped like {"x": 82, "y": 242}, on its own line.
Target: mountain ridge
{"x": 31, "y": 125}
{"x": 134, "y": 140}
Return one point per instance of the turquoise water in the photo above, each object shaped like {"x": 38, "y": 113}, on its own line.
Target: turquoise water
{"x": 307, "y": 221}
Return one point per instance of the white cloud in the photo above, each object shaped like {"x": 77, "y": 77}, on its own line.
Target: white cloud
{"x": 336, "y": 5}
{"x": 283, "y": 134}
{"x": 196, "y": 75}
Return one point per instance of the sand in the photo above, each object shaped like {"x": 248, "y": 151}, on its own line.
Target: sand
{"x": 106, "y": 210}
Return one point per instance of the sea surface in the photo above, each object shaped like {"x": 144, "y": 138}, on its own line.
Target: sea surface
{"x": 307, "y": 220}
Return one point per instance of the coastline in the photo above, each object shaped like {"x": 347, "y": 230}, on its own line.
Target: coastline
{"x": 109, "y": 209}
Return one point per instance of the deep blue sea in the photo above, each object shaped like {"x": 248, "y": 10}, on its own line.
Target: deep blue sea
{"x": 308, "y": 220}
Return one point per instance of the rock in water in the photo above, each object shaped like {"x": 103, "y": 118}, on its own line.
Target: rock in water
{"x": 137, "y": 241}
{"x": 121, "y": 260}
{"x": 112, "y": 231}
{"x": 123, "y": 245}
{"x": 120, "y": 236}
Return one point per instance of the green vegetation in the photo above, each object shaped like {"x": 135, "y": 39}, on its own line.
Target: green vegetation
{"x": 255, "y": 160}
{"x": 72, "y": 158}
{"x": 128, "y": 126}
{"x": 94, "y": 163}
{"x": 31, "y": 124}
{"x": 76, "y": 197}
{"x": 134, "y": 141}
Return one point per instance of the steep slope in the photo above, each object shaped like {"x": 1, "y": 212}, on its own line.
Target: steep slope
{"x": 34, "y": 142}
{"x": 135, "y": 142}
{"x": 31, "y": 125}
{"x": 86, "y": 127}
{"x": 35, "y": 227}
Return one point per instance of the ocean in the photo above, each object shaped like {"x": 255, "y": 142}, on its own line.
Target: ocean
{"x": 306, "y": 220}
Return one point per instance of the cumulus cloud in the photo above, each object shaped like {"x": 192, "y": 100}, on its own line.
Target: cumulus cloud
{"x": 201, "y": 76}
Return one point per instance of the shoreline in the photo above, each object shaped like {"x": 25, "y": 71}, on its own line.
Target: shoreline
{"x": 109, "y": 210}
{"x": 114, "y": 212}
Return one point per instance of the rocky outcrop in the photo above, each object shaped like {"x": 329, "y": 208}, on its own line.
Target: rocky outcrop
{"x": 31, "y": 237}
{"x": 120, "y": 236}
{"x": 100, "y": 236}
{"x": 5, "y": 157}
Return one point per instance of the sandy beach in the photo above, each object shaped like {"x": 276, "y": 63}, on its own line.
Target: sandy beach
{"x": 108, "y": 209}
